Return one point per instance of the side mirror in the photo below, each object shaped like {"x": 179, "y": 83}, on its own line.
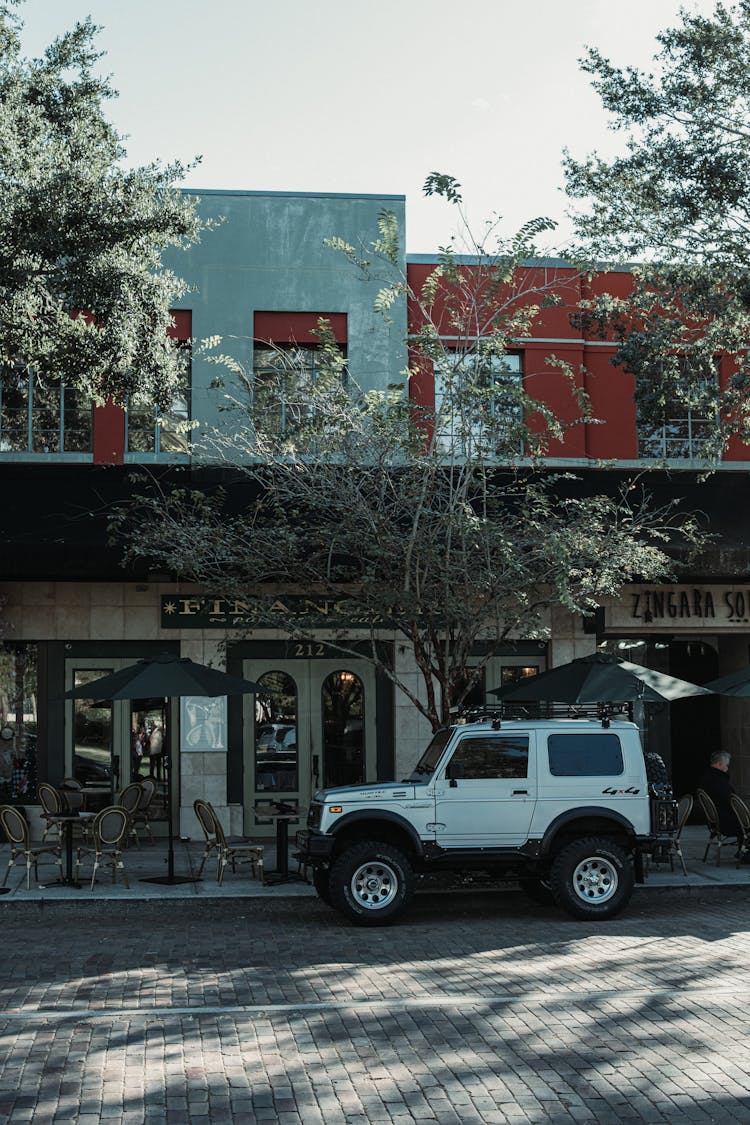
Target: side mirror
{"x": 453, "y": 771}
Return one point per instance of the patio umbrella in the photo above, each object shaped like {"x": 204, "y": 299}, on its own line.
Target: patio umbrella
{"x": 600, "y": 678}
{"x": 734, "y": 683}
{"x": 164, "y": 675}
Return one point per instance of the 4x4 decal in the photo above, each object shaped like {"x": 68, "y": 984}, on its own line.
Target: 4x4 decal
{"x": 616, "y": 792}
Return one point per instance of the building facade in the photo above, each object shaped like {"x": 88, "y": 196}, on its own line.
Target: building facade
{"x": 70, "y": 611}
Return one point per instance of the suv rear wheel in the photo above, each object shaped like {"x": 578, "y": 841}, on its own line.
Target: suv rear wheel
{"x": 371, "y": 883}
{"x": 592, "y": 878}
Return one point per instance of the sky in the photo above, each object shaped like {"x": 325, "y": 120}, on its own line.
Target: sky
{"x": 357, "y": 97}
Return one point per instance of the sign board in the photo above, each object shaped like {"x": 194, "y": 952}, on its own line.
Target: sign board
{"x": 667, "y": 609}
{"x": 203, "y": 723}
{"x": 192, "y": 611}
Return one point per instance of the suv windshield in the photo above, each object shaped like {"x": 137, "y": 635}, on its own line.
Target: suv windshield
{"x": 425, "y": 767}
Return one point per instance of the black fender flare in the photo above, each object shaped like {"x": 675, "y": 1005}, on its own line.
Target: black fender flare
{"x": 362, "y": 816}
{"x": 582, "y": 813}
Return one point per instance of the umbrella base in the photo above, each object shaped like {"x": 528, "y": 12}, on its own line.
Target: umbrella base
{"x": 171, "y": 880}
{"x": 274, "y": 878}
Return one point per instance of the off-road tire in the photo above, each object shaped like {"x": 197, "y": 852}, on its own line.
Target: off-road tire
{"x": 592, "y": 878}
{"x": 656, "y": 770}
{"x": 321, "y": 881}
{"x": 371, "y": 883}
{"x": 538, "y": 890}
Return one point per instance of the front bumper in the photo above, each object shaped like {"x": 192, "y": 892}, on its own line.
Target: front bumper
{"x": 313, "y": 848}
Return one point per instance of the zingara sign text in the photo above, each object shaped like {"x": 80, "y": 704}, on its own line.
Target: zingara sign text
{"x": 720, "y": 605}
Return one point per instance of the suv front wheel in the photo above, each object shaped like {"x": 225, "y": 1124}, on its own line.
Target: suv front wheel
{"x": 371, "y": 883}
{"x": 592, "y": 878}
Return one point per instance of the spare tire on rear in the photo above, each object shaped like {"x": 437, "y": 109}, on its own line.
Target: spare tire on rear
{"x": 656, "y": 771}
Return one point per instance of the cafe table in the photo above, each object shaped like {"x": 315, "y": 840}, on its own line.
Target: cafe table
{"x": 282, "y": 812}
{"x": 99, "y": 791}
{"x": 66, "y": 822}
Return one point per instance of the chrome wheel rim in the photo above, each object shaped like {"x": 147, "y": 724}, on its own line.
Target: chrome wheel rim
{"x": 374, "y": 885}
{"x": 595, "y": 879}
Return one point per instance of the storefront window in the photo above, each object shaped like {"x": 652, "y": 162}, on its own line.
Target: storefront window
{"x": 343, "y": 729}
{"x": 93, "y": 763}
{"x": 18, "y": 722}
{"x": 276, "y": 762}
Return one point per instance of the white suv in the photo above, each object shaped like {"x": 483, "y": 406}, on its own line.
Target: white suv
{"x": 568, "y": 807}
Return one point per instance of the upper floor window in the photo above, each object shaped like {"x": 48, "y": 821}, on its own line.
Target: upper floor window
{"x": 280, "y": 375}
{"x": 682, "y": 436}
{"x": 288, "y": 360}
{"x": 39, "y": 417}
{"x": 150, "y": 431}
{"x": 682, "y": 433}
{"x": 478, "y": 404}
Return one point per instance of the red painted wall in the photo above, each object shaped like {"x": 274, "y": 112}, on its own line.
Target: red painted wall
{"x": 296, "y": 327}
{"x": 109, "y": 419}
{"x": 610, "y": 389}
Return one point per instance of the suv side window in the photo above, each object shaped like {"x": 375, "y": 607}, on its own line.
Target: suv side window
{"x": 585, "y": 755}
{"x": 496, "y": 756}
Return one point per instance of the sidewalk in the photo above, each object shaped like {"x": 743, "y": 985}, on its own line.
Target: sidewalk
{"x": 151, "y": 860}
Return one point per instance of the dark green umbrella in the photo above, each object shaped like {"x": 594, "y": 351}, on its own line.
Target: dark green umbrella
{"x": 734, "y": 683}
{"x": 164, "y": 675}
{"x": 600, "y": 678}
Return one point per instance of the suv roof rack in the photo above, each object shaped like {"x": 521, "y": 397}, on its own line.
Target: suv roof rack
{"x": 495, "y": 713}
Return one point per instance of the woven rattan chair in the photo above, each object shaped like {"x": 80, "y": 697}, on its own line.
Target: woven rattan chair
{"x": 109, "y": 834}
{"x": 742, "y": 812}
{"x": 52, "y": 805}
{"x": 142, "y": 815}
{"x": 72, "y": 796}
{"x": 684, "y": 809}
{"x": 130, "y": 799}
{"x": 233, "y": 849}
{"x": 16, "y": 829}
{"x": 716, "y": 838}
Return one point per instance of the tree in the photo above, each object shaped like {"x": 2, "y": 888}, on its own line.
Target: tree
{"x": 84, "y": 299}
{"x": 439, "y": 525}
{"x": 678, "y": 202}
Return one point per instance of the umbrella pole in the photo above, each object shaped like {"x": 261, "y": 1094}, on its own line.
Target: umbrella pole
{"x": 170, "y": 823}
{"x": 170, "y": 878}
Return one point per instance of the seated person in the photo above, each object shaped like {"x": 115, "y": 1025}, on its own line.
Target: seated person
{"x": 715, "y": 781}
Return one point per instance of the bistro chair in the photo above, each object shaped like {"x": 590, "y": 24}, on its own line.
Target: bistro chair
{"x": 232, "y": 850}
{"x": 72, "y": 795}
{"x": 684, "y": 809}
{"x": 109, "y": 834}
{"x": 16, "y": 829}
{"x": 142, "y": 815}
{"x": 130, "y": 799}
{"x": 742, "y": 812}
{"x": 52, "y": 805}
{"x": 716, "y": 838}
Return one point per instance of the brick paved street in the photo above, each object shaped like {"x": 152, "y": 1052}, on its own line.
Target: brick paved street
{"x": 475, "y": 1009}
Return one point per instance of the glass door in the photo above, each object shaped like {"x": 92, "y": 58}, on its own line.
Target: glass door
{"x": 312, "y": 725}
{"x": 90, "y": 754}
{"x": 111, "y": 743}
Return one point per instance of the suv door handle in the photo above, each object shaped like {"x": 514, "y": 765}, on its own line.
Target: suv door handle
{"x": 520, "y": 792}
